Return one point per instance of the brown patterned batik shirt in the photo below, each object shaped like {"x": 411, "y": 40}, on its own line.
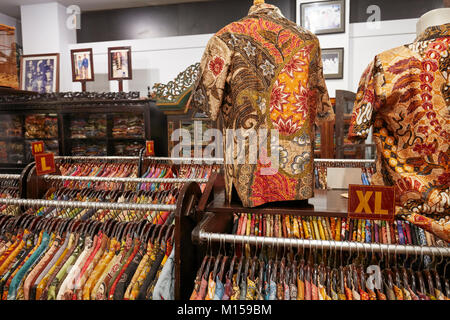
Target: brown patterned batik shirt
{"x": 264, "y": 72}
{"x": 404, "y": 93}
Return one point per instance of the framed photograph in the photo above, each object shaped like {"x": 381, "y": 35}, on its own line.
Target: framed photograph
{"x": 40, "y": 72}
{"x": 323, "y": 17}
{"x": 82, "y": 65}
{"x": 333, "y": 63}
{"x": 119, "y": 62}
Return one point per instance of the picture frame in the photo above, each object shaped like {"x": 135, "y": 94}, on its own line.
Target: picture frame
{"x": 323, "y": 17}
{"x": 119, "y": 63}
{"x": 39, "y": 72}
{"x": 333, "y": 63}
{"x": 82, "y": 61}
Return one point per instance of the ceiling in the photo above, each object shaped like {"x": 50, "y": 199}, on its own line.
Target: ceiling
{"x": 12, "y": 7}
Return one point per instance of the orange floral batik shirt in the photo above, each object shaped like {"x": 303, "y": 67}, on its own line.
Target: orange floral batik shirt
{"x": 404, "y": 93}
{"x": 264, "y": 73}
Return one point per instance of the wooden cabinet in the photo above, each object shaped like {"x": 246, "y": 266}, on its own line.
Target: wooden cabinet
{"x": 78, "y": 124}
{"x": 345, "y": 149}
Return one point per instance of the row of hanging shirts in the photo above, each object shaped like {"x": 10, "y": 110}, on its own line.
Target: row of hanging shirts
{"x": 115, "y": 196}
{"x": 333, "y": 228}
{"x": 299, "y": 276}
{"x": 68, "y": 259}
{"x": 130, "y": 170}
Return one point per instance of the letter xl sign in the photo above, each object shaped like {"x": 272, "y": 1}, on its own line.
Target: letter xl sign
{"x": 371, "y": 202}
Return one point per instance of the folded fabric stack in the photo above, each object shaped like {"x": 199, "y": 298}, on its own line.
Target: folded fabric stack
{"x": 88, "y": 149}
{"x": 41, "y": 126}
{"x": 128, "y": 149}
{"x": 93, "y": 126}
{"x": 15, "y": 152}
{"x": 96, "y": 126}
{"x": 3, "y": 152}
{"x": 10, "y": 126}
{"x": 128, "y": 126}
{"x": 77, "y": 128}
{"x": 51, "y": 127}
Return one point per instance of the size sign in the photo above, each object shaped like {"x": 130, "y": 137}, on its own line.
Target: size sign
{"x": 150, "y": 148}
{"x": 37, "y": 147}
{"x": 45, "y": 163}
{"x": 371, "y": 202}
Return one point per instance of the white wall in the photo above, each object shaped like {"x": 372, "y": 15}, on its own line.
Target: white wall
{"x": 12, "y": 22}
{"x": 161, "y": 59}
{"x": 366, "y": 43}
{"x": 153, "y": 60}
{"x": 44, "y": 30}
{"x": 361, "y": 42}
{"x": 337, "y": 40}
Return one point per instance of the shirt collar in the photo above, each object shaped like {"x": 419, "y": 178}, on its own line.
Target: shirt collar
{"x": 264, "y": 8}
{"x": 434, "y": 32}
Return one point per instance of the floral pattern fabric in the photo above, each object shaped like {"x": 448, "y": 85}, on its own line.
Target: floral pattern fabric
{"x": 264, "y": 72}
{"x": 404, "y": 93}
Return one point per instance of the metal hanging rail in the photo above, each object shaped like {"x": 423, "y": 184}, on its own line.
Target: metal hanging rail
{"x": 9, "y": 176}
{"x": 182, "y": 159}
{"x": 137, "y": 158}
{"x": 323, "y": 244}
{"x": 342, "y": 163}
{"x": 96, "y": 158}
{"x": 88, "y": 205}
{"x": 217, "y": 160}
{"x": 125, "y": 180}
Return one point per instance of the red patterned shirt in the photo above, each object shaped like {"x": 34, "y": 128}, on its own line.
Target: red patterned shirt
{"x": 264, "y": 72}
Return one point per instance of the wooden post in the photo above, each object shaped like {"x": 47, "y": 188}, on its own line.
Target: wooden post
{"x": 120, "y": 85}
{"x": 83, "y": 86}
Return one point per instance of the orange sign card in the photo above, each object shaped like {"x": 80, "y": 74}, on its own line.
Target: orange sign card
{"x": 371, "y": 202}
{"x": 150, "y": 148}
{"x": 37, "y": 147}
{"x": 45, "y": 163}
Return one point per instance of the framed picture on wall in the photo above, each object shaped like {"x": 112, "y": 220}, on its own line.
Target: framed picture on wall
{"x": 323, "y": 17}
{"x": 82, "y": 65}
{"x": 40, "y": 72}
{"x": 119, "y": 62}
{"x": 333, "y": 63}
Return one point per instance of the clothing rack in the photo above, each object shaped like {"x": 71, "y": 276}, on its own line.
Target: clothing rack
{"x": 322, "y": 244}
{"x": 88, "y": 205}
{"x": 343, "y": 163}
{"x": 10, "y": 176}
{"x": 119, "y": 158}
{"x": 125, "y": 180}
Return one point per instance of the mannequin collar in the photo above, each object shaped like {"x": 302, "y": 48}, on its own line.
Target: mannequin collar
{"x": 434, "y": 32}
{"x": 264, "y": 8}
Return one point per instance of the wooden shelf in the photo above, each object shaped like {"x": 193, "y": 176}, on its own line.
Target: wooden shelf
{"x": 324, "y": 203}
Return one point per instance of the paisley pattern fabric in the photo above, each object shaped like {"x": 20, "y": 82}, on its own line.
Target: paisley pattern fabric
{"x": 404, "y": 93}
{"x": 264, "y": 72}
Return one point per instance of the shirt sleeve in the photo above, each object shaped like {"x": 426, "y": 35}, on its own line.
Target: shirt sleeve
{"x": 213, "y": 73}
{"x": 368, "y": 100}
{"x": 320, "y": 99}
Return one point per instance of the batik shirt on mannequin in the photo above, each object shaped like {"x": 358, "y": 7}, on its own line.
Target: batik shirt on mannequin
{"x": 405, "y": 94}
{"x": 265, "y": 72}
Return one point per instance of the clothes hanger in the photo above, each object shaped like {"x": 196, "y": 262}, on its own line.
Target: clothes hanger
{"x": 437, "y": 281}
{"x": 446, "y": 280}
{"x": 419, "y": 275}
{"x": 218, "y": 259}
{"x": 428, "y": 278}
{"x": 240, "y": 262}
{"x": 210, "y": 260}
